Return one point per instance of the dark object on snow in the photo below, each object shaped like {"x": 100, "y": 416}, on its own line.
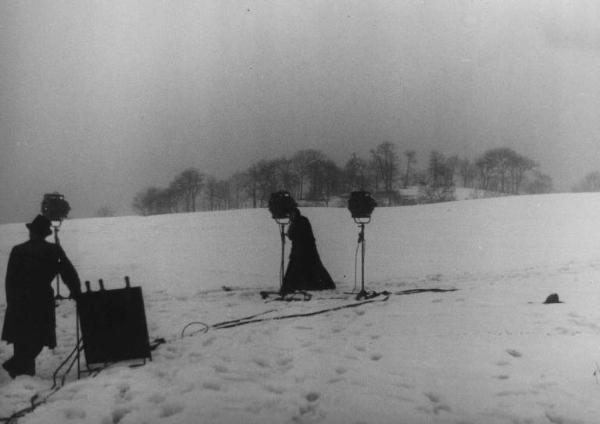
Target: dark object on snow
{"x": 553, "y": 298}
{"x": 281, "y": 204}
{"x": 361, "y": 204}
{"x": 113, "y": 325}
{"x": 55, "y": 207}
{"x": 305, "y": 270}
{"x": 30, "y": 319}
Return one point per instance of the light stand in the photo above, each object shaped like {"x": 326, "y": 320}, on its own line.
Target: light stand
{"x": 282, "y": 222}
{"x": 56, "y": 228}
{"x": 361, "y": 241}
{"x": 56, "y": 209}
{"x": 361, "y": 206}
{"x": 281, "y": 205}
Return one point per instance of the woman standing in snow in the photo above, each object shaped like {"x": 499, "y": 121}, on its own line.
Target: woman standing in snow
{"x": 305, "y": 270}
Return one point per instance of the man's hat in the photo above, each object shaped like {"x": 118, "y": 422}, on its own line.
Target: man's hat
{"x": 40, "y": 225}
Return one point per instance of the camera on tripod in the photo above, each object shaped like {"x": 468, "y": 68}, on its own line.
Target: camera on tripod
{"x": 281, "y": 205}
{"x": 361, "y": 205}
{"x": 55, "y": 207}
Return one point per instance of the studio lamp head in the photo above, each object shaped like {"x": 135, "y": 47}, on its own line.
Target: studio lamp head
{"x": 55, "y": 207}
{"x": 281, "y": 205}
{"x": 361, "y": 206}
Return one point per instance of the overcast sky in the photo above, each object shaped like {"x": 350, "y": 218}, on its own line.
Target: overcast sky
{"x": 100, "y": 99}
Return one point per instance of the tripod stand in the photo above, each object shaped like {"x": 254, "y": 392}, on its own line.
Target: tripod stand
{"x": 282, "y": 223}
{"x": 56, "y": 228}
{"x": 363, "y": 294}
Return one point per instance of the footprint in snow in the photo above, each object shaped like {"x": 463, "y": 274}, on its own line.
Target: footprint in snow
{"x": 436, "y": 404}
{"x": 118, "y": 414}
{"x": 263, "y": 363}
{"x": 310, "y": 409}
{"x": 124, "y": 393}
{"x": 514, "y": 353}
{"x": 171, "y": 409}
{"x": 284, "y": 362}
{"x": 312, "y": 396}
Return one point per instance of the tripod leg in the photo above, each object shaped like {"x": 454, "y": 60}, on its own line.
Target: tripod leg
{"x": 361, "y": 239}
{"x": 78, "y": 343}
{"x": 282, "y": 266}
{"x": 57, "y": 242}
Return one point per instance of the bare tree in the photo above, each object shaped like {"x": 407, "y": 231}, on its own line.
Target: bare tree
{"x": 217, "y": 193}
{"x": 519, "y": 165}
{"x": 590, "y": 183}
{"x": 503, "y": 170}
{"x": 326, "y": 177}
{"x": 411, "y": 159}
{"x": 265, "y": 172}
{"x": 385, "y": 160}
{"x": 356, "y": 174}
{"x": 467, "y": 172}
{"x": 252, "y": 184}
{"x": 286, "y": 175}
{"x": 238, "y": 189}
{"x": 305, "y": 164}
{"x": 439, "y": 185}
{"x": 541, "y": 183}
{"x": 441, "y": 170}
{"x": 188, "y": 185}
{"x": 151, "y": 201}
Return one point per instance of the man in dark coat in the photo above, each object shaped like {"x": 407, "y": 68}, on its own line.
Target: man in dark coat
{"x": 30, "y": 320}
{"x": 305, "y": 270}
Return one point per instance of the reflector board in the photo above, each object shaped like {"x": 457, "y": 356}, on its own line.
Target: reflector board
{"x": 113, "y": 325}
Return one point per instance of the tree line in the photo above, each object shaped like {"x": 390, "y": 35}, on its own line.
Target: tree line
{"x": 313, "y": 178}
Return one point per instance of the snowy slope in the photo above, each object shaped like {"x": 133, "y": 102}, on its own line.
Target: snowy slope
{"x": 489, "y": 352}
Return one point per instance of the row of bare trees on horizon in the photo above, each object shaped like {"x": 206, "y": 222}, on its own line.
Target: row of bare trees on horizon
{"x": 312, "y": 177}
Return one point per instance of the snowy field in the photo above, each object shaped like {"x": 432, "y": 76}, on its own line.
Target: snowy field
{"x": 488, "y": 352}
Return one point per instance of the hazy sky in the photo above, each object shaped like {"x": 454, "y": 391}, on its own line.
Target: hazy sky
{"x": 100, "y": 99}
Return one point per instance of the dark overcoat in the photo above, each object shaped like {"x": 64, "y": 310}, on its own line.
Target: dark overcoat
{"x": 305, "y": 270}
{"x": 30, "y": 314}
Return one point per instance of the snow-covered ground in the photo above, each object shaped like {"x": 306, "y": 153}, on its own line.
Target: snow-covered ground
{"x": 489, "y": 352}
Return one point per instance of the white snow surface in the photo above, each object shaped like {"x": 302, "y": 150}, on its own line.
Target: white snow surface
{"x": 488, "y": 352}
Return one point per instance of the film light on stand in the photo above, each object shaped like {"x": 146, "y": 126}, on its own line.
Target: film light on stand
{"x": 281, "y": 205}
{"x": 56, "y": 209}
{"x": 361, "y": 206}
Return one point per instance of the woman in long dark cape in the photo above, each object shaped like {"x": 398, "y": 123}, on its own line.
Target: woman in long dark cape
{"x": 305, "y": 270}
